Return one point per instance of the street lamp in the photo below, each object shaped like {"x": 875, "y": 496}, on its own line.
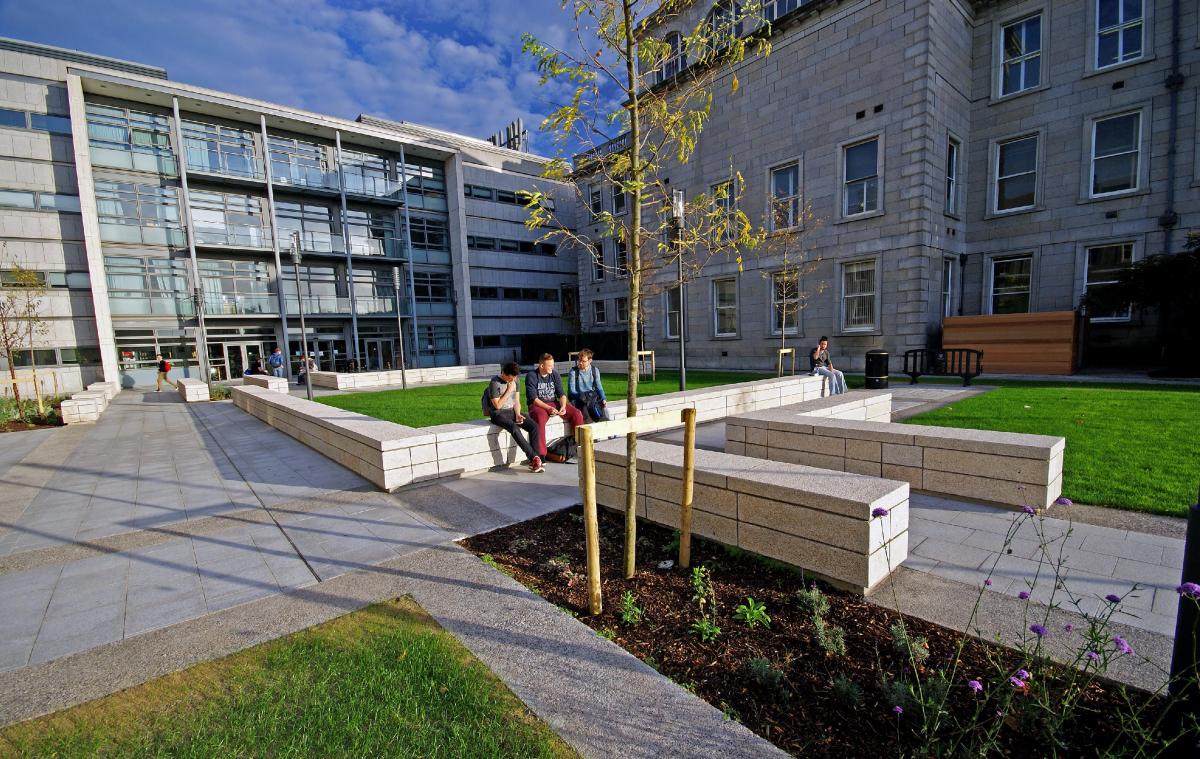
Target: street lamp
{"x": 300, "y": 307}
{"x": 677, "y": 208}
{"x": 399, "y": 324}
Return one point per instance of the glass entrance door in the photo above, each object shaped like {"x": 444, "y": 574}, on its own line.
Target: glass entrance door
{"x": 377, "y": 354}
{"x": 241, "y": 356}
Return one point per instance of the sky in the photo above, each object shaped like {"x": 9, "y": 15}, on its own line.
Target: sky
{"x": 451, "y": 64}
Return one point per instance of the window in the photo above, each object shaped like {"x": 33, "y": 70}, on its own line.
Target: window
{"x": 368, "y": 174}
{"x": 138, "y": 213}
{"x": 506, "y": 196}
{"x": 673, "y": 302}
{"x": 217, "y": 149}
{"x": 229, "y": 219}
{"x": 598, "y": 263}
{"x": 301, "y": 163}
{"x": 622, "y": 259}
{"x": 785, "y": 196}
{"x": 676, "y": 59}
{"x": 18, "y": 199}
{"x": 75, "y": 280}
{"x": 725, "y": 21}
{"x": 431, "y": 287}
{"x": 953, "y": 151}
{"x": 314, "y": 223}
{"x": 236, "y": 287}
{"x": 1104, "y": 266}
{"x": 438, "y": 340}
{"x": 618, "y": 198}
{"x": 139, "y": 286}
{"x": 599, "y": 315}
{"x": 1011, "y": 279}
{"x": 622, "y": 310}
{"x": 725, "y": 307}
{"x": 858, "y": 295}
{"x": 596, "y": 200}
{"x": 1118, "y": 31}
{"x": 773, "y": 10}
{"x": 424, "y": 183}
{"x": 785, "y": 302}
{"x": 1021, "y": 51}
{"x": 947, "y": 286}
{"x": 861, "y": 183}
{"x": 429, "y": 234}
{"x": 128, "y": 139}
{"x": 10, "y": 118}
{"x": 1016, "y": 174}
{"x": 47, "y": 122}
{"x": 1115, "y": 147}
{"x": 34, "y": 201}
{"x": 48, "y": 201}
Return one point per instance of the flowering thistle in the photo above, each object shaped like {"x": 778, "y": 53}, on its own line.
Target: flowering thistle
{"x": 898, "y": 710}
{"x": 1122, "y": 645}
{"x": 1024, "y": 674}
{"x": 1189, "y": 590}
{"x": 879, "y": 512}
{"x": 1029, "y": 509}
{"x": 1023, "y": 595}
{"x": 975, "y": 685}
{"x": 1068, "y": 628}
{"x": 1113, "y": 598}
{"x": 1039, "y": 630}
{"x": 1093, "y": 655}
{"x": 1063, "y": 501}
{"x": 1017, "y": 682}
{"x": 988, "y": 582}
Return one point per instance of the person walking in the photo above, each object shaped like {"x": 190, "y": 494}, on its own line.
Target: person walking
{"x": 585, "y": 390}
{"x": 545, "y": 396}
{"x": 823, "y": 366}
{"x": 276, "y": 361}
{"x": 502, "y": 405}
{"x": 164, "y": 368}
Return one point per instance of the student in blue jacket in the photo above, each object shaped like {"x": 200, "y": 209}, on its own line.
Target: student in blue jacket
{"x": 585, "y": 390}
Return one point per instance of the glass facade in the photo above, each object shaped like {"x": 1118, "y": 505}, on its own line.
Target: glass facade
{"x": 148, "y": 286}
{"x": 216, "y": 149}
{"x": 123, "y": 138}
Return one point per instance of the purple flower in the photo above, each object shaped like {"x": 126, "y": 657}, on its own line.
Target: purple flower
{"x": 1068, "y": 628}
{"x": 1024, "y": 674}
{"x": 1063, "y": 501}
{"x": 1122, "y": 645}
{"x": 1113, "y": 598}
{"x": 1189, "y": 589}
{"x": 898, "y": 709}
{"x": 1038, "y": 630}
{"x": 975, "y": 685}
{"x": 988, "y": 583}
{"x": 1023, "y": 595}
{"x": 1017, "y": 682}
{"x": 1093, "y": 655}
{"x": 880, "y": 512}
{"x": 1029, "y": 509}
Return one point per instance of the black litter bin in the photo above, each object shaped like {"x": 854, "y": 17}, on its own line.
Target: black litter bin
{"x": 877, "y": 370}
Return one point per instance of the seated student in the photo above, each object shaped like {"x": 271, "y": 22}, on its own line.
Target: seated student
{"x": 823, "y": 366}
{"x": 307, "y": 364}
{"x": 545, "y": 396}
{"x": 584, "y": 389}
{"x": 502, "y": 404}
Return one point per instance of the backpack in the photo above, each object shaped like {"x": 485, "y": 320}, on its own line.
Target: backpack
{"x": 486, "y": 402}
{"x": 167, "y": 364}
{"x": 565, "y": 447}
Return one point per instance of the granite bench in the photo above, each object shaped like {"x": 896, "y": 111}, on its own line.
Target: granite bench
{"x": 275, "y": 384}
{"x": 816, "y": 519}
{"x": 192, "y": 390}
{"x": 110, "y": 389}
{"x": 1007, "y": 468}
{"x": 86, "y": 406}
{"x": 391, "y": 377}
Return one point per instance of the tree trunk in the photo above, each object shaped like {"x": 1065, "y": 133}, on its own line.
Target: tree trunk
{"x": 635, "y": 284}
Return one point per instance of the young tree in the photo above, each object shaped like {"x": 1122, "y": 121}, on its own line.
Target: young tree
{"x": 22, "y": 321}
{"x": 637, "y": 100}
{"x": 794, "y": 222}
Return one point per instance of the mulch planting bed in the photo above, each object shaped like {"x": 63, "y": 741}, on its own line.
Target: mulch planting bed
{"x": 801, "y": 712}
{"x": 17, "y": 425}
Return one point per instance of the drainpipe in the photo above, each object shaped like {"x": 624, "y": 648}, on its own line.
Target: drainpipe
{"x": 1174, "y": 83}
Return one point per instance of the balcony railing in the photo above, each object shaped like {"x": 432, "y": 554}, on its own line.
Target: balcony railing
{"x": 303, "y": 176}
{"x": 375, "y": 187}
{"x": 135, "y": 160}
{"x": 387, "y": 247}
{"x": 222, "y": 304}
{"x": 234, "y": 236}
{"x": 313, "y": 242}
{"x": 371, "y": 305}
{"x": 126, "y": 230}
{"x": 226, "y": 164}
{"x": 365, "y": 305}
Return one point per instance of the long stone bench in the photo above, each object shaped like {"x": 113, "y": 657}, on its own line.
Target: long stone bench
{"x": 426, "y": 376}
{"x": 270, "y": 382}
{"x": 110, "y": 389}
{"x": 1008, "y": 468}
{"x": 192, "y": 390}
{"x": 392, "y": 455}
{"x": 816, "y": 519}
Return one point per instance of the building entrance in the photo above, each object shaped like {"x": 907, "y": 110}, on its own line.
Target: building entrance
{"x": 231, "y": 360}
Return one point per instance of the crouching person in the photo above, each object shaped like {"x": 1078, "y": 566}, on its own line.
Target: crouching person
{"x": 502, "y": 404}
{"x": 544, "y": 393}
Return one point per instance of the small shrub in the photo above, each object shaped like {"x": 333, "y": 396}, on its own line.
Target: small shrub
{"x": 896, "y": 693}
{"x": 915, "y": 647}
{"x": 519, "y": 545}
{"x": 847, "y": 691}
{"x": 606, "y": 633}
{"x": 672, "y": 545}
{"x": 762, "y": 672}
{"x": 218, "y": 392}
{"x": 831, "y": 638}
{"x": 703, "y": 592}
{"x": 631, "y": 614}
{"x": 705, "y": 629}
{"x": 812, "y": 601}
{"x": 752, "y": 613}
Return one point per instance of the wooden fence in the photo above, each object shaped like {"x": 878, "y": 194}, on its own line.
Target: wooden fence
{"x": 1045, "y": 342}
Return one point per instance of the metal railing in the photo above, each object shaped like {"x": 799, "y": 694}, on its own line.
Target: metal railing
{"x": 303, "y": 176}
{"x": 375, "y": 187}
{"x": 206, "y": 161}
{"x": 387, "y": 247}
{"x": 234, "y": 236}
{"x": 221, "y": 304}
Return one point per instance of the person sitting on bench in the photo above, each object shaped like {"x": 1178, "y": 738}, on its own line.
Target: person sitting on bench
{"x": 502, "y": 404}
{"x": 545, "y": 396}
{"x": 585, "y": 390}
{"x": 823, "y": 366}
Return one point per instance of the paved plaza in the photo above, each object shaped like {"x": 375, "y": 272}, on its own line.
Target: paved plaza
{"x": 164, "y": 515}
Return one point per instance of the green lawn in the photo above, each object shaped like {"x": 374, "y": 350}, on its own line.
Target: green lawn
{"x": 443, "y": 404}
{"x": 1128, "y": 446}
{"x": 385, "y": 681}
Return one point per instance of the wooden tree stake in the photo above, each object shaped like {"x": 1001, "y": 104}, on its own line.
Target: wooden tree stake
{"x": 587, "y": 460}
{"x": 689, "y": 471}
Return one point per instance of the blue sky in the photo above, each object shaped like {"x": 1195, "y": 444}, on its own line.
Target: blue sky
{"x": 451, "y": 64}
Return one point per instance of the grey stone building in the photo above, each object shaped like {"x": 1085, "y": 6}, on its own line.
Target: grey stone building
{"x": 162, "y": 217}
{"x": 960, "y": 157}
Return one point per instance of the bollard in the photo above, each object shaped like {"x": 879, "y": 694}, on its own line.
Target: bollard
{"x": 1185, "y": 675}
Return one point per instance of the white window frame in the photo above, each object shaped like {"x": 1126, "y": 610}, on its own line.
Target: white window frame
{"x": 617, "y": 308}
{"x": 994, "y": 187}
{"x": 1002, "y": 60}
{"x": 953, "y": 169}
{"x": 620, "y": 263}
{"x": 990, "y": 292}
{"x": 794, "y": 208}
{"x": 780, "y": 326}
{"x": 599, "y": 312}
{"x": 595, "y": 200}
{"x": 676, "y": 61}
{"x": 1137, "y": 151}
{"x": 1119, "y": 28}
{"x": 948, "y": 287}
{"x": 1087, "y": 265}
{"x": 667, "y": 311}
{"x": 624, "y": 198}
{"x": 878, "y": 177}
{"x": 718, "y": 308}
{"x": 866, "y": 263}
{"x": 598, "y": 262}
{"x": 727, "y": 206}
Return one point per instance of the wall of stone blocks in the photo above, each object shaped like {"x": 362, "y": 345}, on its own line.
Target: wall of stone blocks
{"x": 192, "y": 390}
{"x": 791, "y": 513}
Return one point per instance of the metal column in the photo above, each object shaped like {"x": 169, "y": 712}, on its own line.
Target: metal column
{"x": 262, "y": 120}
{"x": 408, "y": 254}
{"x": 197, "y": 293}
{"x": 346, "y": 241}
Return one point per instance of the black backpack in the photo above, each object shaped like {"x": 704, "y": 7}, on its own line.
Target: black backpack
{"x": 486, "y": 401}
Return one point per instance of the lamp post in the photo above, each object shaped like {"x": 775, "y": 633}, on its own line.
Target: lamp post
{"x": 300, "y": 307}
{"x": 399, "y": 324}
{"x": 677, "y": 208}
